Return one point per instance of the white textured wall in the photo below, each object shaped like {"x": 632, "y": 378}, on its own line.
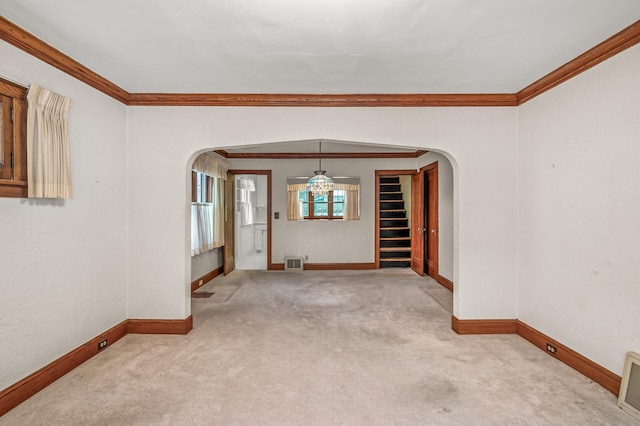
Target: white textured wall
{"x": 63, "y": 263}
{"x": 206, "y": 262}
{"x": 324, "y": 241}
{"x": 480, "y": 141}
{"x": 579, "y": 200}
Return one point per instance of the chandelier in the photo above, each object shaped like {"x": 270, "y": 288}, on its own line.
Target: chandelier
{"x": 320, "y": 184}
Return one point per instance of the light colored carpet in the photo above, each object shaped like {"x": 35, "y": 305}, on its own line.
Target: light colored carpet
{"x": 321, "y": 348}
{"x": 438, "y": 293}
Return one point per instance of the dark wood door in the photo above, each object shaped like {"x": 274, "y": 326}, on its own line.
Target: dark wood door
{"x": 229, "y": 260}
{"x": 430, "y": 212}
{"x": 417, "y": 223}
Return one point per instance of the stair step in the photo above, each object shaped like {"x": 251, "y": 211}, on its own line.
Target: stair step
{"x": 389, "y": 179}
{"x": 395, "y": 243}
{"x": 390, "y": 196}
{"x": 394, "y": 232}
{"x": 391, "y": 205}
{"x": 395, "y": 263}
{"x": 394, "y": 222}
{"x": 390, "y": 214}
{"x": 390, "y": 187}
{"x": 395, "y": 255}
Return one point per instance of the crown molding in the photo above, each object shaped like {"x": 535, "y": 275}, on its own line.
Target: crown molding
{"x": 20, "y": 38}
{"x": 32, "y": 45}
{"x": 615, "y": 44}
{"x": 316, "y": 155}
{"x": 322, "y": 100}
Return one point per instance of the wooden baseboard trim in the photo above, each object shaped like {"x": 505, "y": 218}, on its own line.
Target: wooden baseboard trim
{"x": 581, "y": 364}
{"x": 199, "y": 282}
{"x": 484, "y": 326}
{"x": 328, "y": 266}
{"x": 444, "y": 282}
{"x": 159, "y": 326}
{"x": 339, "y": 266}
{"x": 21, "y": 391}
{"x": 573, "y": 359}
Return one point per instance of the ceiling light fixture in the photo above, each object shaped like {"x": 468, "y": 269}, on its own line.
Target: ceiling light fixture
{"x": 320, "y": 184}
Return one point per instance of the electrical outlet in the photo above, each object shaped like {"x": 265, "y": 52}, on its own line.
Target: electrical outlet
{"x": 551, "y": 349}
{"x": 102, "y": 344}
{"x": 200, "y": 283}
{"x": 306, "y": 257}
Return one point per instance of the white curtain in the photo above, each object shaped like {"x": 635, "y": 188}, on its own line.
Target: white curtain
{"x": 246, "y": 208}
{"x": 210, "y": 166}
{"x": 351, "y": 204}
{"x": 294, "y": 209}
{"x": 202, "y": 232}
{"x": 48, "y": 163}
{"x": 207, "y": 221}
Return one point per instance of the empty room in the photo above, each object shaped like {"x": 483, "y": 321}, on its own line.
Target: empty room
{"x": 268, "y": 212}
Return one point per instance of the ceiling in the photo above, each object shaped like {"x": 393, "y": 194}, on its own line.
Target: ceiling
{"x": 322, "y": 46}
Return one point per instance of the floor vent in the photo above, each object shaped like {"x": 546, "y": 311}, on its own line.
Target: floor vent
{"x": 629, "y": 398}
{"x": 293, "y": 263}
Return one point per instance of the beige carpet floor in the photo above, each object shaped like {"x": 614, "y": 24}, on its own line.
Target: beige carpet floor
{"x": 321, "y": 348}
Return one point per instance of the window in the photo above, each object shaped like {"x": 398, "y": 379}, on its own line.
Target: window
{"x": 13, "y": 140}
{"x": 343, "y": 203}
{"x": 328, "y": 206}
{"x": 201, "y": 188}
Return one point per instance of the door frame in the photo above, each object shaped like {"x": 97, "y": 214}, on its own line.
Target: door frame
{"x": 417, "y": 223}
{"x": 270, "y": 266}
{"x": 378, "y": 174}
{"x": 430, "y": 181}
{"x": 229, "y": 226}
{"x": 423, "y": 213}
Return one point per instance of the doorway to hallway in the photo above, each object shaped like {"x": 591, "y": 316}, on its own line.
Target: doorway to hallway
{"x": 251, "y": 221}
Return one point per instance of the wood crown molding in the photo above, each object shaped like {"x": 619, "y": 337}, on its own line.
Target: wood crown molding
{"x": 615, "y": 44}
{"x": 322, "y": 100}
{"x": 20, "y": 38}
{"x": 29, "y": 43}
{"x": 316, "y": 155}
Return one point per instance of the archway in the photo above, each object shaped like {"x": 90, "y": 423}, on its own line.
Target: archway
{"x": 446, "y": 215}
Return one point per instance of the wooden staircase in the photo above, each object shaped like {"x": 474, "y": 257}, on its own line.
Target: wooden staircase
{"x": 395, "y": 233}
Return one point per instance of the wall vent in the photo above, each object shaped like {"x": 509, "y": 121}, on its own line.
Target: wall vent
{"x": 629, "y": 398}
{"x": 293, "y": 264}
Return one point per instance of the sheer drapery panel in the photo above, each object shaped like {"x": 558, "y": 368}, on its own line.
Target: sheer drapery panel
{"x": 294, "y": 209}
{"x": 207, "y": 211}
{"x": 48, "y": 160}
